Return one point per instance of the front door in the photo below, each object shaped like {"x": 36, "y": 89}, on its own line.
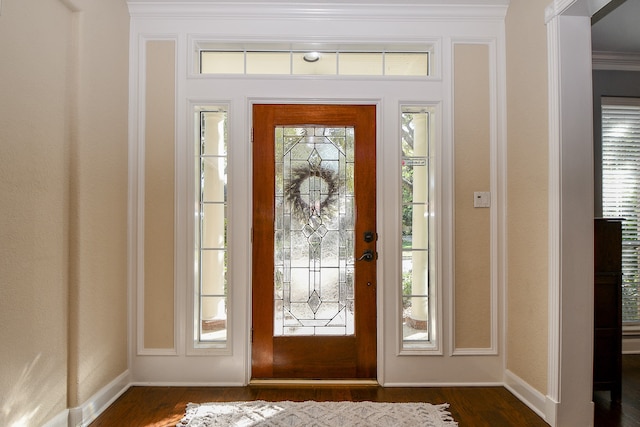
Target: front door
{"x": 314, "y": 242}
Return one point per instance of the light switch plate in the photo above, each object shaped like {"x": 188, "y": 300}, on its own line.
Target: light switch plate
{"x": 482, "y": 199}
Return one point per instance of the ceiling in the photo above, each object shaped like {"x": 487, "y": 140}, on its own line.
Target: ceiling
{"x": 616, "y": 27}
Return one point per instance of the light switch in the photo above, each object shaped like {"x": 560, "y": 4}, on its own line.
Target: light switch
{"x": 482, "y": 199}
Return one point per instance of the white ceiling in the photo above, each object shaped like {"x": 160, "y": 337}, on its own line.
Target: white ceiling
{"x": 616, "y": 28}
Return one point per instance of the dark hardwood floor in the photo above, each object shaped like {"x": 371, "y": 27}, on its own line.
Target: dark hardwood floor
{"x": 470, "y": 406}
{"x": 627, "y": 412}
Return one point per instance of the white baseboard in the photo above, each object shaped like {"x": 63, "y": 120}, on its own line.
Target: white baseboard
{"x": 83, "y": 415}
{"x": 441, "y": 384}
{"x": 531, "y": 397}
{"x": 184, "y": 384}
{"x": 59, "y": 420}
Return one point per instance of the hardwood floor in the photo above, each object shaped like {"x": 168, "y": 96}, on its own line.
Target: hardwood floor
{"x": 470, "y": 406}
{"x": 627, "y": 412}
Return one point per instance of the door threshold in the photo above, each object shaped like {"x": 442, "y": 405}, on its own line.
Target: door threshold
{"x": 313, "y": 382}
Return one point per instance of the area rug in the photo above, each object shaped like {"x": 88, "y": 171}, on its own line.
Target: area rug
{"x": 316, "y": 414}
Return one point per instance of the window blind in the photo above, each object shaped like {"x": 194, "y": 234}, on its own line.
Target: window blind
{"x": 621, "y": 191}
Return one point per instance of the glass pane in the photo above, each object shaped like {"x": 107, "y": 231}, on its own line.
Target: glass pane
{"x": 268, "y": 63}
{"x": 313, "y": 253}
{"x": 360, "y": 64}
{"x": 212, "y": 62}
{"x": 213, "y": 226}
{"x": 214, "y": 272}
{"x": 406, "y": 64}
{"x": 415, "y": 330}
{"x": 213, "y": 326}
{"x": 326, "y": 64}
{"x": 213, "y": 179}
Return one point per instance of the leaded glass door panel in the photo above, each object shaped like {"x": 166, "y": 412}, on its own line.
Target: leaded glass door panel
{"x": 313, "y": 222}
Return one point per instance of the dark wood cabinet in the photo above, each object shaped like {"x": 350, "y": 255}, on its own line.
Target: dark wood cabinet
{"x": 607, "y": 346}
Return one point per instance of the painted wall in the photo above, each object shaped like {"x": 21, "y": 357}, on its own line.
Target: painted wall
{"x": 99, "y": 198}
{"x": 34, "y": 211}
{"x": 63, "y": 195}
{"x": 159, "y": 198}
{"x": 527, "y": 184}
{"x": 472, "y": 130}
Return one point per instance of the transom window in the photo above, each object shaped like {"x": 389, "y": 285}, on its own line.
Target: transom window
{"x": 348, "y": 61}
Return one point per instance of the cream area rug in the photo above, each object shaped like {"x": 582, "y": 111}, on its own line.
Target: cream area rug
{"x": 316, "y": 414}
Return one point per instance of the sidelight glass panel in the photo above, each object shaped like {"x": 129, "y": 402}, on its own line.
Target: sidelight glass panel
{"x": 417, "y": 229}
{"x": 211, "y": 228}
{"x": 313, "y": 253}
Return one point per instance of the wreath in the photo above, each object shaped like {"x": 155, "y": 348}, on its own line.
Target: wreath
{"x": 299, "y": 207}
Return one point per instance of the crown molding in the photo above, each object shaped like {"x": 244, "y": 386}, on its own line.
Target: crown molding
{"x": 619, "y": 61}
{"x": 573, "y": 8}
{"x": 556, "y": 8}
{"x": 332, "y": 10}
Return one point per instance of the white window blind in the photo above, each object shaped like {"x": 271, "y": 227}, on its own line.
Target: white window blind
{"x": 621, "y": 190}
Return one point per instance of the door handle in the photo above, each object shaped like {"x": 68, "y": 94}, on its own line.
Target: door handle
{"x": 367, "y": 255}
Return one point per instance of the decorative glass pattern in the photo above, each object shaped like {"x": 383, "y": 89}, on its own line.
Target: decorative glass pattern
{"x": 314, "y": 231}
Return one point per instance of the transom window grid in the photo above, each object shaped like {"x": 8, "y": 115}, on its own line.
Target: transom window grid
{"x": 417, "y": 229}
{"x": 412, "y": 63}
{"x": 211, "y": 229}
{"x": 621, "y": 191}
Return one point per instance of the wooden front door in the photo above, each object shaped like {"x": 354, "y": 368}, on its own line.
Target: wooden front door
{"x": 314, "y": 242}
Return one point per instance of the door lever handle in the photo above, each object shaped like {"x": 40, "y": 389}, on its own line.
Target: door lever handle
{"x": 367, "y": 255}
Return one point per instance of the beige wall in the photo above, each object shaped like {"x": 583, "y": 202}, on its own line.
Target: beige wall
{"x": 472, "y": 288}
{"x": 159, "y": 316}
{"x": 34, "y": 223}
{"x": 63, "y": 194}
{"x": 527, "y": 180}
{"x": 99, "y": 196}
